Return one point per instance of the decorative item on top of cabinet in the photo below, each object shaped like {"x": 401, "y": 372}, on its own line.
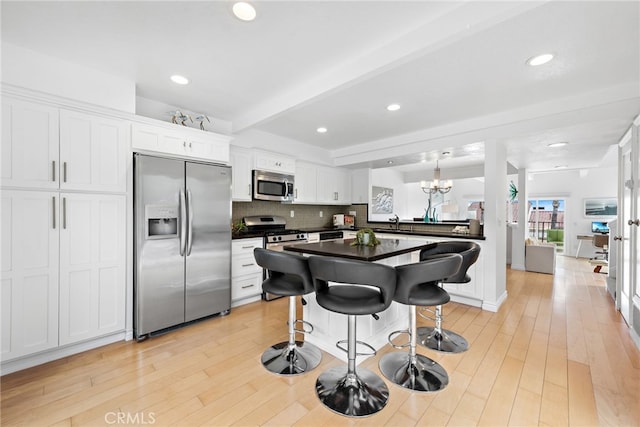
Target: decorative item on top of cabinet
{"x": 154, "y": 136}
{"x": 274, "y": 162}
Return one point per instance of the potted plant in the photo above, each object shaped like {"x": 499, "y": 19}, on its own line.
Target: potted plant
{"x": 365, "y": 237}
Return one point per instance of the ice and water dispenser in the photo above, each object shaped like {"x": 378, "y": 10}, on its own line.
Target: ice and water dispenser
{"x": 162, "y": 221}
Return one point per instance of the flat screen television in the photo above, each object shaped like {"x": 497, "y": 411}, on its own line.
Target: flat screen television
{"x": 599, "y": 227}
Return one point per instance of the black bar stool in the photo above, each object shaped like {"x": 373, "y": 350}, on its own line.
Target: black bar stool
{"x": 288, "y": 276}
{"x": 435, "y": 337}
{"x": 416, "y": 284}
{"x": 343, "y": 389}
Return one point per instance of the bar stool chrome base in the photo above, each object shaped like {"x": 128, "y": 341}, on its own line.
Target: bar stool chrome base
{"x": 283, "y": 359}
{"x": 351, "y": 394}
{"x": 423, "y": 374}
{"x": 446, "y": 341}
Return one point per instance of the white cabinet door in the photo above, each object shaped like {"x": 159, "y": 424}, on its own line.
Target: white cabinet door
{"x": 93, "y": 152}
{"x": 180, "y": 141}
{"x": 343, "y": 186}
{"x": 92, "y": 266}
{"x": 273, "y": 162}
{"x": 306, "y": 183}
{"x": 30, "y": 223}
{"x": 241, "y": 162}
{"x": 29, "y": 144}
{"x": 246, "y": 274}
{"x": 334, "y": 186}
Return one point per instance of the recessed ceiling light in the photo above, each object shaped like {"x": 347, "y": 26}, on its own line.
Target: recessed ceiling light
{"x": 393, "y": 107}
{"x": 244, "y": 11}
{"x": 181, "y": 80}
{"x": 539, "y": 59}
{"x": 561, "y": 166}
{"x": 557, "y": 144}
{"x": 390, "y": 162}
{"x": 321, "y": 130}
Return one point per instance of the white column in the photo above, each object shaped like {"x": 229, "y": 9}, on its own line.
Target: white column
{"x": 519, "y": 232}
{"x": 495, "y": 225}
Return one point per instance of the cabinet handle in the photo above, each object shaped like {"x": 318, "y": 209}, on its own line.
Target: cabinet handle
{"x": 617, "y": 238}
{"x": 249, "y": 189}
{"x": 636, "y": 222}
{"x": 64, "y": 213}
{"x": 247, "y": 247}
{"x": 189, "y": 145}
{"x": 296, "y": 196}
{"x": 184, "y": 144}
{"x": 248, "y": 286}
{"x": 247, "y": 265}
{"x": 64, "y": 171}
{"x": 53, "y": 199}
{"x": 53, "y": 170}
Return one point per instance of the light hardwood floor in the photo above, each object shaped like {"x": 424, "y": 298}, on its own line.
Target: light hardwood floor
{"x": 556, "y": 353}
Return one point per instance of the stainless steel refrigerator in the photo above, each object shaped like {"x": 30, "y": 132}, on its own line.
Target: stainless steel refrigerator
{"x": 182, "y": 242}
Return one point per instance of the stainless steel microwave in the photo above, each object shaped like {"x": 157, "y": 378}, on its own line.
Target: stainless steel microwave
{"x": 272, "y": 186}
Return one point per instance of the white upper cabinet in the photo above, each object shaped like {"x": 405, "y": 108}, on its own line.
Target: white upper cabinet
{"x": 48, "y": 148}
{"x": 274, "y": 162}
{"x": 306, "y": 182}
{"x": 180, "y": 141}
{"x": 334, "y": 185}
{"x": 93, "y": 152}
{"x": 29, "y": 144}
{"x": 241, "y": 162}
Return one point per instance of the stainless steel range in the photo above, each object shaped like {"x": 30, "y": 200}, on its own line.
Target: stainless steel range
{"x": 276, "y": 235}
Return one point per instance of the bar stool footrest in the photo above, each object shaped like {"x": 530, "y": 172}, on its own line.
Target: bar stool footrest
{"x": 394, "y": 334}
{"x": 373, "y": 351}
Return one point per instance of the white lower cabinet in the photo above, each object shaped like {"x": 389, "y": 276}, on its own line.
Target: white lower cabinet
{"x": 246, "y": 274}
{"x": 63, "y": 269}
{"x": 92, "y": 266}
{"x": 30, "y": 237}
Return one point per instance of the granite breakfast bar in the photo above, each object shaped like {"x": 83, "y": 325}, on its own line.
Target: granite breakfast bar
{"x": 331, "y": 327}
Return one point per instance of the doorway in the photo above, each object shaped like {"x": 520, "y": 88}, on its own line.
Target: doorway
{"x": 546, "y": 220}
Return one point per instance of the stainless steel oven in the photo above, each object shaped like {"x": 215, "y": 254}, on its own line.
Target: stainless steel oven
{"x": 274, "y": 241}
{"x": 276, "y": 235}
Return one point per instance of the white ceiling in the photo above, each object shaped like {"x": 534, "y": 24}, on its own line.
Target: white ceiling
{"x": 457, "y": 69}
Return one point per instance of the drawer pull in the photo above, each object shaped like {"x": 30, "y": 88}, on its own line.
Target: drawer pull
{"x": 248, "y": 265}
{"x": 247, "y": 247}
{"x": 248, "y": 286}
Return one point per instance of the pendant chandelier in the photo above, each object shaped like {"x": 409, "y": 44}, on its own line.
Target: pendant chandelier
{"x": 436, "y": 186}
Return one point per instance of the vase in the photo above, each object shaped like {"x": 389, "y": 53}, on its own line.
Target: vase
{"x": 365, "y": 239}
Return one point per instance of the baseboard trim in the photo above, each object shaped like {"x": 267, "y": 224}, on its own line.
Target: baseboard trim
{"x": 494, "y": 306}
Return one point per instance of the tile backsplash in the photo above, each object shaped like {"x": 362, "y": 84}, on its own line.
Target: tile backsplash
{"x": 304, "y": 216}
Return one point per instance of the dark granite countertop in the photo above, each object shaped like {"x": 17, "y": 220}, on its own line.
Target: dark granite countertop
{"x": 430, "y": 233}
{"x": 343, "y": 249}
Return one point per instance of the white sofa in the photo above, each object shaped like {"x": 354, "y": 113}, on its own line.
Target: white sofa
{"x": 540, "y": 258}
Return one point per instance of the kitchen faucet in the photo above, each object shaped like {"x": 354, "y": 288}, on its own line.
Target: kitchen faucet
{"x": 396, "y": 220}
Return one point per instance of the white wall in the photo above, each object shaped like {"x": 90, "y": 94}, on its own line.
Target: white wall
{"x": 35, "y": 71}
{"x": 277, "y": 144}
{"x": 389, "y": 178}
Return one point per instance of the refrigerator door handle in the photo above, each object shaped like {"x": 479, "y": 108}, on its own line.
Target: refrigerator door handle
{"x": 190, "y": 223}
{"x": 183, "y": 222}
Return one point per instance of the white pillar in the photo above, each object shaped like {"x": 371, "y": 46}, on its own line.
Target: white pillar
{"x": 519, "y": 232}
{"x": 495, "y": 225}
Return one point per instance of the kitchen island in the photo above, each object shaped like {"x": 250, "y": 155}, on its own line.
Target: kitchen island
{"x": 330, "y": 327}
